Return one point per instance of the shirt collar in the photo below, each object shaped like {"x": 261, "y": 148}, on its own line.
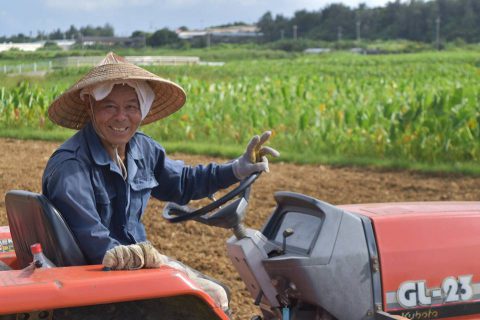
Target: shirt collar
{"x": 133, "y": 150}
{"x": 99, "y": 154}
{"x": 101, "y": 157}
{"x": 133, "y": 154}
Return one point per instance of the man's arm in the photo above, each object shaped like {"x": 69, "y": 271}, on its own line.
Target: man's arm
{"x": 70, "y": 190}
{"x": 180, "y": 183}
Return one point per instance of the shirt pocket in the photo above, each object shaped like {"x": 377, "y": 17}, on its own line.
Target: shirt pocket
{"x": 142, "y": 186}
{"x": 144, "y": 180}
{"x": 104, "y": 206}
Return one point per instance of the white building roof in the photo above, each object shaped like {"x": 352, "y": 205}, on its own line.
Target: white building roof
{"x": 32, "y": 46}
{"x": 233, "y": 31}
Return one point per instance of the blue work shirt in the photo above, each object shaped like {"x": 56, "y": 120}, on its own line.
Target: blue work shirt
{"x": 101, "y": 208}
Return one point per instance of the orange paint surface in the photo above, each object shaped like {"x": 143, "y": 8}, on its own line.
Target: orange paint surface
{"x": 427, "y": 241}
{"x": 43, "y": 289}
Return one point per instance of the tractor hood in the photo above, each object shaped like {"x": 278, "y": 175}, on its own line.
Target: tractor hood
{"x": 429, "y": 256}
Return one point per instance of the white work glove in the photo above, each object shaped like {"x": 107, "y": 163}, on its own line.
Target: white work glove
{"x": 255, "y": 157}
{"x": 214, "y": 290}
{"x": 144, "y": 255}
{"x": 134, "y": 256}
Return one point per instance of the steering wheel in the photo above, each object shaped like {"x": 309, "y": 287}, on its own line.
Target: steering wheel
{"x": 176, "y": 213}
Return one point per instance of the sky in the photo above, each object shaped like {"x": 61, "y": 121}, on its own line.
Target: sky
{"x": 30, "y": 16}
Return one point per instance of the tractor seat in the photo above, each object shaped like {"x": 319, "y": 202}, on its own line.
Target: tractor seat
{"x": 32, "y": 218}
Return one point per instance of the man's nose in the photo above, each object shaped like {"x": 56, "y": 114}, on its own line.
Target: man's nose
{"x": 121, "y": 113}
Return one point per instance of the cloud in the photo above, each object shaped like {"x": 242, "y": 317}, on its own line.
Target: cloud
{"x": 93, "y": 5}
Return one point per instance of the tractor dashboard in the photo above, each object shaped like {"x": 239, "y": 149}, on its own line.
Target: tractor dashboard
{"x": 304, "y": 227}
{"x": 299, "y": 223}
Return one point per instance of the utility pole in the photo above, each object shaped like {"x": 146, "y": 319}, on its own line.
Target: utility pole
{"x": 358, "y": 30}
{"x": 208, "y": 39}
{"x": 295, "y": 32}
{"x": 339, "y": 33}
{"x": 438, "y": 33}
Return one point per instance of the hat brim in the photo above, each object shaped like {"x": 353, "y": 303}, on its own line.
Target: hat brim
{"x": 70, "y": 111}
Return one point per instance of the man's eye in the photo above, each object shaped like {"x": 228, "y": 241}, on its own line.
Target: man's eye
{"x": 133, "y": 107}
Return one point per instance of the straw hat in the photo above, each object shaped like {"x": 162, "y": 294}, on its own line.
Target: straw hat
{"x": 69, "y": 111}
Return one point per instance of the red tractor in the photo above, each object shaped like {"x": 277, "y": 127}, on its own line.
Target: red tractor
{"x": 311, "y": 260}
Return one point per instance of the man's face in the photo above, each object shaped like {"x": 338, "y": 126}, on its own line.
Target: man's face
{"x": 118, "y": 116}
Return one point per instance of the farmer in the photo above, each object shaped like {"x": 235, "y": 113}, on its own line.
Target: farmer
{"x": 103, "y": 176}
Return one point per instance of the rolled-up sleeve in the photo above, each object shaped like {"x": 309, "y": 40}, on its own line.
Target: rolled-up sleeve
{"x": 70, "y": 189}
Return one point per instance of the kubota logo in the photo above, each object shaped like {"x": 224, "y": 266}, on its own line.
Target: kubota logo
{"x": 412, "y": 294}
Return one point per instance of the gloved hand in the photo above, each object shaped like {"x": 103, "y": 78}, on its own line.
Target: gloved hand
{"x": 254, "y": 159}
{"x": 213, "y": 289}
{"x": 134, "y": 256}
{"x": 144, "y": 255}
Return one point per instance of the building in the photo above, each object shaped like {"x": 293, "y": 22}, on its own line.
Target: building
{"x": 133, "y": 42}
{"x": 226, "y": 34}
{"x": 64, "y": 44}
{"x": 26, "y": 46}
{"x": 32, "y": 46}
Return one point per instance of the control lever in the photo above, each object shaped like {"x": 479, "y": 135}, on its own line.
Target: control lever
{"x": 281, "y": 251}
{"x": 286, "y": 233}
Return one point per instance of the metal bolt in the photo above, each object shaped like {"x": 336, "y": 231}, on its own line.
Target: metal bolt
{"x": 375, "y": 264}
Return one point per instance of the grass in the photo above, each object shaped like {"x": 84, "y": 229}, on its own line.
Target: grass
{"x": 59, "y": 134}
{"x": 233, "y": 151}
{"x": 416, "y": 111}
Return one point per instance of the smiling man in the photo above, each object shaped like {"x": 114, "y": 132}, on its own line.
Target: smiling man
{"x": 117, "y": 117}
{"x": 103, "y": 176}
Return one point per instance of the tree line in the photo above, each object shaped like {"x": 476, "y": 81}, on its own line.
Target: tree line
{"x": 415, "y": 20}
{"x": 71, "y": 34}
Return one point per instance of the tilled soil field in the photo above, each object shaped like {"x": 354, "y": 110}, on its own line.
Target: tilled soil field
{"x": 203, "y": 247}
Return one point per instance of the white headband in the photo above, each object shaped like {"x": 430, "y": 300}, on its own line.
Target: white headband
{"x": 101, "y": 90}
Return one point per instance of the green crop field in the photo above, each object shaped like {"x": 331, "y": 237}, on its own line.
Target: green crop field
{"x": 399, "y": 110}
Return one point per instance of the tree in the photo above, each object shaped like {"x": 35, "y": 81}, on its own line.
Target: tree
{"x": 106, "y": 31}
{"x": 468, "y": 23}
{"x": 399, "y": 19}
{"x": 19, "y": 38}
{"x": 90, "y": 31}
{"x": 162, "y": 37}
{"x": 305, "y": 21}
{"x": 267, "y": 27}
{"x": 72, "y": 33}
{"x": 56, "y": 35}
{"x": 139, "y": 33}
{"x": 333, "y": 18}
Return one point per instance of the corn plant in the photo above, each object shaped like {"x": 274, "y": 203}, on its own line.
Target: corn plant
{"x": 421, "y": 107}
